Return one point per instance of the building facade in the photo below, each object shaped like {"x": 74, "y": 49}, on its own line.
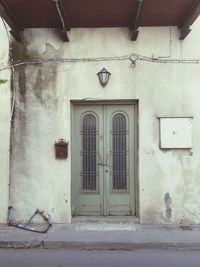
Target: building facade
{"x": 133, "y": 145}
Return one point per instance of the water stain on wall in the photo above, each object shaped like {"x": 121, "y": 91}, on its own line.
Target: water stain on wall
{"x": 19, "y": 118}
{"x": 168, "y": 211}
{"x": 167, "y": 216}
{"x": 43, "y": 84}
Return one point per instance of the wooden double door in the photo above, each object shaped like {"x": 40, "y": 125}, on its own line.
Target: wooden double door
{"x": 103, "y": 162}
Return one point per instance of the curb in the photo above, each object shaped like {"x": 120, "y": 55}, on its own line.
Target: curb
{"x": 120, "y": 246}
{"x": 98, "y": 245}
{"x": 21, "y": 244}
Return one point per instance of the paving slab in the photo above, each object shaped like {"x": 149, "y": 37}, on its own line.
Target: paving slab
{"x": 104, "y": 236}
{"x": 12, "y": 237}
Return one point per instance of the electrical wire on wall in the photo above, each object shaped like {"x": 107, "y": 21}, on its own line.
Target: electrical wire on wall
{"x": 131, "y": 57}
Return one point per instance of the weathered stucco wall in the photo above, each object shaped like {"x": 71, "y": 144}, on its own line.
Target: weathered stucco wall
{"x": 4, "y": 124}
{"x": 169, "y": 181}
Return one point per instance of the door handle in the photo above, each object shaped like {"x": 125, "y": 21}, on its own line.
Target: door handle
{"x": 100, "y": 161}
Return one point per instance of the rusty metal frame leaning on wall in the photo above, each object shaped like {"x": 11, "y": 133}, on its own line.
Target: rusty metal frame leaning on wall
{"x": 26, "y": 226}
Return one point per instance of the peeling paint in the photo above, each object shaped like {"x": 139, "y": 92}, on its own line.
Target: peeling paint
{"x": 50, "y": 50}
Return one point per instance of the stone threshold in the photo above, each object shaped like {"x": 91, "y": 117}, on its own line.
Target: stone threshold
{"x": 106, "y": 219}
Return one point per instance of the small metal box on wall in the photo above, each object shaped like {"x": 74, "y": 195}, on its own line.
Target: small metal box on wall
{"x": 61, "y": 149}
{"x": 176, "y": 132}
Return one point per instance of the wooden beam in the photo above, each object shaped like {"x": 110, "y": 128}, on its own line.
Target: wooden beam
{"x": 62, "y": 16}
{"x": 16, "y": 34}
{"x": 184, "y": 33}
{"x": 66, "y": 19}
{"x": 64, "y": 36}
{"x": 188, "y": 19}
{"x": 134, "y": 35}
{"x": 135, "y": 19}
{"x": 11, "y": 20}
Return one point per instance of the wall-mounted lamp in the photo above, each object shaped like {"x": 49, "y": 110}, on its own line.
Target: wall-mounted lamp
{"x": 104, "y": 76}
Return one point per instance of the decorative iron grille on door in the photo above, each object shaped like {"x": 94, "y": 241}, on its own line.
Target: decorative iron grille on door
{"x": 119, "y": 154}
{"x": 89, "y": 171}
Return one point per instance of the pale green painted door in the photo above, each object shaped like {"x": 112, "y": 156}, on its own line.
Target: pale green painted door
{"x": 103, "y": 160}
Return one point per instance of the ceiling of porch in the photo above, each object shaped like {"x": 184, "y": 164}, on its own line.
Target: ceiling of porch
{"x": 66, "y": 14}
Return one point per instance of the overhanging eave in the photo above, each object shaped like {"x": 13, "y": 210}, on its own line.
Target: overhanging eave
{"x": 11, "y": 20}
{"x": 188, "y": 19}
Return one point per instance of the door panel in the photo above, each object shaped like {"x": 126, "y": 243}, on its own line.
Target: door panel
{"x": 120, "y": 142}
{"x": 86, "y": 169}
{"x": 103, "y": 163}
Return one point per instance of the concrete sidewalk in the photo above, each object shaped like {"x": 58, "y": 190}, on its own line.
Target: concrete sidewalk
{"x": 104, "y": 236}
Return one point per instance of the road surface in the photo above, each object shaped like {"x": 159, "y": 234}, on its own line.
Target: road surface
{"x": 73, "y": 258}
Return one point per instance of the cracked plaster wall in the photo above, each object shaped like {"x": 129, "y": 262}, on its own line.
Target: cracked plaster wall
{"x": 169, "y": 181}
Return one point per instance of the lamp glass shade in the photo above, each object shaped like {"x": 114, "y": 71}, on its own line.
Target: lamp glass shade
{"x": 104, "y": 76}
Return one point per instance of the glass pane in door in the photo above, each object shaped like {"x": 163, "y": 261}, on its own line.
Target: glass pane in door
{"x": 89, "y": 153}
{"x": 119, "y": 152}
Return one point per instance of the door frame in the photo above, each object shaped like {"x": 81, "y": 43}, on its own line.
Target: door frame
{"x": 75, "y": 103}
